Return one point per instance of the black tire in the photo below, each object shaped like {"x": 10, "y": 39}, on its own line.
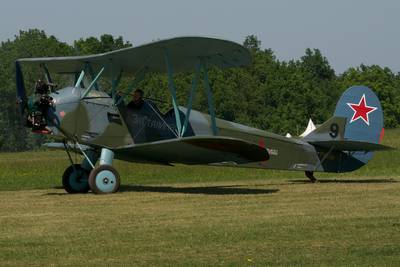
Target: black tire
{"x": 76, "y": 182}
{"x": 104, "y": 180}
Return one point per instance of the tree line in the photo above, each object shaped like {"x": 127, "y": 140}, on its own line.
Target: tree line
{"x": 270, "y": 94}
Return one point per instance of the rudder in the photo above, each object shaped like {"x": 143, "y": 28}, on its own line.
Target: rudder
{"x": 364, "y": 122}
{"x": 363, "y": 111}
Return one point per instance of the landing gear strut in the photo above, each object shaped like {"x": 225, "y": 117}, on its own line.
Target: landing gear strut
{"x": 104, "y": 179}
{"x": 310, "y": 175}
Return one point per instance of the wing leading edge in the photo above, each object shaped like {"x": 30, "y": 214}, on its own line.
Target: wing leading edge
{"x": 184, "y": 53}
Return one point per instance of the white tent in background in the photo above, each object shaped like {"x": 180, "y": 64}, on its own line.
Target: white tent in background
{"x": 288, "y": 135}
{"x": 310, "y": 127}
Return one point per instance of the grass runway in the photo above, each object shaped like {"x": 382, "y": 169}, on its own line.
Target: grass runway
{"x": 201, "y": 216}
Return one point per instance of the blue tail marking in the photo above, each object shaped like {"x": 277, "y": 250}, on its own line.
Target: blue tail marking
{"x": 363, "y": 111}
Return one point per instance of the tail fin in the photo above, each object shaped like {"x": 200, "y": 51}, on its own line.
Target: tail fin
{"x": 346, "y": 141}
{"x": 364, "y": 114}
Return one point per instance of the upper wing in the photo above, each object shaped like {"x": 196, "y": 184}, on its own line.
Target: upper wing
{"x": 194, "y": 150}
{"x": 184, "y": 54}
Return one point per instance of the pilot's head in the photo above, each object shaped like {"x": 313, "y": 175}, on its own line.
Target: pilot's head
{"x": 138, "y": 96}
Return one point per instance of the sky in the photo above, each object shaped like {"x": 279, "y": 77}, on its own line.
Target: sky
{"x": 348, "y": 32}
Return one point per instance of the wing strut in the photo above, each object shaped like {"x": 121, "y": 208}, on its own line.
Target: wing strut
{"x": 86, "y": 92}
{"x": 171, "y": 87}
{"x": 46, "y": 71}
{"x": 210, "y": 102}
{"x": 80, "y": 78}
{"x": 91, "y": 72}
{"x": 200, "y": 66}
{"x": 191, "y": 97}
{"x": 114, "y": 84}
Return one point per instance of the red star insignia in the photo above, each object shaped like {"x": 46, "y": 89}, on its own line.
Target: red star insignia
{"x": 361, "y": 110}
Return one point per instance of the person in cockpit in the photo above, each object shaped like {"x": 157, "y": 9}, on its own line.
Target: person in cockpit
{"x": 137, "y": 100}
{"x": 138, "y": 103}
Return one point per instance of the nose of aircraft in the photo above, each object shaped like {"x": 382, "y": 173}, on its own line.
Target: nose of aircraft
{"x": 43, "y": 113}
{"x": 63, "y": 102}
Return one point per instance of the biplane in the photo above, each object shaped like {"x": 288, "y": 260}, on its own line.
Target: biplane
{"x": 96, "y": 122}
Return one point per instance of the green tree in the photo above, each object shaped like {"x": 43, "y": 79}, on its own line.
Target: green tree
{"x": 106, "y": 43}
{"x": 251, "y": 42}
{"x": 383, "y": 82}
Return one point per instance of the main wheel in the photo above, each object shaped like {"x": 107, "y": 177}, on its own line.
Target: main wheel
{"x": 104, "y": 180}
{"x": 75, "y": 179}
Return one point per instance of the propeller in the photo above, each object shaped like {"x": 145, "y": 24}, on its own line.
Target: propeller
{"x": 21, "y": 93}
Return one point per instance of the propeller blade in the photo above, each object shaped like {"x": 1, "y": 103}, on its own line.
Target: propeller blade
{"x": 21, "y": 93}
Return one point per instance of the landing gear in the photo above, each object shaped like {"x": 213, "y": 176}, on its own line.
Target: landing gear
{"x": 104, "y": 180}
{"x": 80, "y": 178}
{"x": 75, "y": 179}
{"x": 310, "y": 175}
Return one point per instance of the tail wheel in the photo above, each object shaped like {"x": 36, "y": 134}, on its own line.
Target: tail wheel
{"x": 75, "y": 179}
{"x": 310, "y": 175}
{"x": 104, "y": 180}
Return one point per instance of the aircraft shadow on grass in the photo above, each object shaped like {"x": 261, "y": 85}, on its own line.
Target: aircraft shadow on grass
{"x": 205, "y": 190}
{"x": 345, "y": 181}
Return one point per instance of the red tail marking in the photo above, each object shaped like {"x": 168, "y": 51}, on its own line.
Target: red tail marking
{"x": 261, "y": 142}
{"x": 381, "y": 135}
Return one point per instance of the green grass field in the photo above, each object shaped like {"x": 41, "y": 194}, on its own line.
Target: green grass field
{"x": 201, "y": 216}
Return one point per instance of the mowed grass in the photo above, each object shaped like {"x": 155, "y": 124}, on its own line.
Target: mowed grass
{"x": 201, "y": 216}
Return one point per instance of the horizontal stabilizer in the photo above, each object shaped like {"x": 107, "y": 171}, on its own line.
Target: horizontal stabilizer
{"x": 350, "y": 145}
{"x": 194, "y": 150}
{"x": 331, "y": 134}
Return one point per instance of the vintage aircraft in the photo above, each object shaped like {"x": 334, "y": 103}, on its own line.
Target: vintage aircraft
{"x": 97, "y": 124}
